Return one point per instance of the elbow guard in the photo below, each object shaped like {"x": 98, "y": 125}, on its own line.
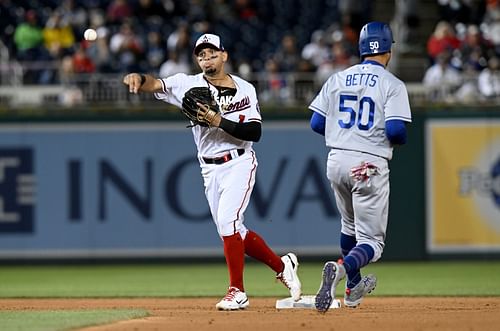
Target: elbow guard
{"x": 395, "y": 130}
{"x": 318, "y": 123}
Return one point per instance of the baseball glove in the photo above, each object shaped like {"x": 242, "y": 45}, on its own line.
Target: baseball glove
{"x": 193, "y": 112}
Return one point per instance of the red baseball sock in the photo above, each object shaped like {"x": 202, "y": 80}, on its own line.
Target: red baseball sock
{"x": 257, "y": 248}
{"x": 234, "y": 251}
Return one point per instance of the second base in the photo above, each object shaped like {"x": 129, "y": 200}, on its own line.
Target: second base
{"x": 306, "y": 301}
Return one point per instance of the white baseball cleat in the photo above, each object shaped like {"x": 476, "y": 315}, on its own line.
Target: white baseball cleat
{"x": 289, "y": 276}
{"x": 234, "y": 300}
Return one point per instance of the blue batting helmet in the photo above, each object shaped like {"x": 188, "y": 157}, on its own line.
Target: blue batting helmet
{"x": 375, "y": 38}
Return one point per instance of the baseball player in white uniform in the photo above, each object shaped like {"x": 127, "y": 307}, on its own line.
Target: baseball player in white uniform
{"x": 362, "y": 112}
{"x": 228, "y": 162}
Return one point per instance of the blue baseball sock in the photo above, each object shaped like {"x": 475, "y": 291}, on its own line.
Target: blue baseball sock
{"x": 357, "y": 258}
{"x": 346, "y": 243}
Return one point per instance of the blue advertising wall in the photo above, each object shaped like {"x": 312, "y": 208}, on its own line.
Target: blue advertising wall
{"x": 79, "y": 190}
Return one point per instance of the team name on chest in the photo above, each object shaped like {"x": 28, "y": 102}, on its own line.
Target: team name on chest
{"x": 227, "y": 105}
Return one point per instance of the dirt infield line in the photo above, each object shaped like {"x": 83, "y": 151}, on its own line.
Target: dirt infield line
{"x": 377, "y": 313}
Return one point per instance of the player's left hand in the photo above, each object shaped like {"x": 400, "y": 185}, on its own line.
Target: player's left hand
{"x": 212, "y": 118}
{"x": 200, "y": 107}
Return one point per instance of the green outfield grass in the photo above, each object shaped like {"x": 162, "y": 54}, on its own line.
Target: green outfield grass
{"x": 63, "y": 320}
{"x": 195, "y": 280}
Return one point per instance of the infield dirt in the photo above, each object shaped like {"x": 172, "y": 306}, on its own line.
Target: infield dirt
{"x": 190, "y": 314}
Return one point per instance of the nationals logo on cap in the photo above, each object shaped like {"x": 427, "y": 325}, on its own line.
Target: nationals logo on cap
{"x": 208, "y": 41}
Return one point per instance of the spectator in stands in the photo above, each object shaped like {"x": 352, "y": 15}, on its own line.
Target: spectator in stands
{"x": 173, "y": 66}
{"x": 489, "y": 79}
{"x": 66, "y": 70}
{"x": 82, "y": 63}
{"x": 75, "y": 14}
{"x": 442, "y": 39}
{"x": 468, "y": 91}
{"x": 127, "y": 48}
{"x": 99, "y": 50}
{"x": 442, "y": 78}
{"x": 70, "y": 66}
{"x": 349, "y": 31}
{"x": 199, "y": 28}
{"x": 179, "y": 41}
{"x": 276, "y": 90}
{"x": 492, "y": 23}
{"x": 118, "y": 11}
{"x": 287, "y": 56}
{"x": 340, "y": 58}
{"x": 340, "y": 55}
{"x": 58, "y": 35}
{"x": 474, "y": 49}
{"x": 155, "y": 52}
{"x": 28, "y": 38}
{"x": 245, "y": 69}
{"x": 316, "y": 51}
{"x": 222, "y": 11}
{"x": 72, "y": 94}
{"x": 305, "y": 66}
{"x": 245, "y": 9}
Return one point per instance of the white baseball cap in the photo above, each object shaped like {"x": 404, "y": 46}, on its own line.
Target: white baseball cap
{"x": 208, "y": 41}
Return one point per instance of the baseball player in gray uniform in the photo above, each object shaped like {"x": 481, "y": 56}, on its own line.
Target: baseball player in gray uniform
{"x": 228, "y": 162}
{"x": 362, "y": 112}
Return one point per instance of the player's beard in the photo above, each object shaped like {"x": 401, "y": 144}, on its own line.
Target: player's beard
{"x": 210, "y": 71}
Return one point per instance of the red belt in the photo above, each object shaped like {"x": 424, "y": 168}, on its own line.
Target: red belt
{"x": 222, "y": 159}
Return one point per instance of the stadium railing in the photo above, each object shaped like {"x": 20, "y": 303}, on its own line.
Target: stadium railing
{"x": 106, "y": 90}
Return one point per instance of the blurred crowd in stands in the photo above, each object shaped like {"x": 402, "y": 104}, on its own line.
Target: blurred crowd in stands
{"x": 269, "y": 37}
{"x": 157, "y": 36}
{"x": 464, "y": 52}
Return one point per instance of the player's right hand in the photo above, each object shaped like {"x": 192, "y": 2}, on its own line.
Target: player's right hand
{"x": 133, "y": 81}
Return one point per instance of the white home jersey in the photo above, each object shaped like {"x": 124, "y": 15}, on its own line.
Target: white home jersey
{"x": 356, "y": 103}
{"x": 242, "y": 107}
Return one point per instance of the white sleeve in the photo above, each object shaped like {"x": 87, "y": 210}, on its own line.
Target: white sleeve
{"x": 173, "y": 89}
{"x": 320, "y": 104}
{"x": 397, "y": 106}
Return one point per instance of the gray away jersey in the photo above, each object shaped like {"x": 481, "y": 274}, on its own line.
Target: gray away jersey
{"x": 356, "y": 103}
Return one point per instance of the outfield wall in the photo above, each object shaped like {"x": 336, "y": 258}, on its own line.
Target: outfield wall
{"x": 133, "y": 189}
{"x": 84, "y": 190}
{"x": 445, "y": 185}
